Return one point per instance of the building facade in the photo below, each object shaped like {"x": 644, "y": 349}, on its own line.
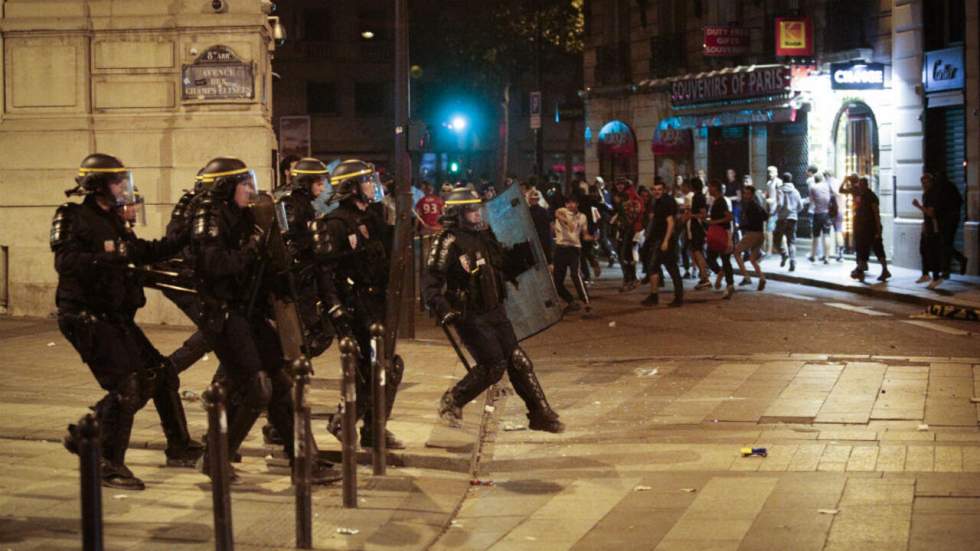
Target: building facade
{"x": 164, "y": 86}
{"x": 677, "y": 87}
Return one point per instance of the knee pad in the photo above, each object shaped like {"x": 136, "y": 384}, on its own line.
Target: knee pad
{"x": 520, "y": 361}
{"x": 132, "y": 394}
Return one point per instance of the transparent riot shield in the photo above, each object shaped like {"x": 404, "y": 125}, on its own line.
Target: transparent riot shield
{"x": 533, "y": 305}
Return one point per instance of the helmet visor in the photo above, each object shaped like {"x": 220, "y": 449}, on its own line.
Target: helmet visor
{"x": 247, "y": 188}
{"x": 371, "y": 189}
{"x": 473, "y": 216}
{"x": 123, "y": 188}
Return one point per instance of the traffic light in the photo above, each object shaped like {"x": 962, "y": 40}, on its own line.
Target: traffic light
{"x": 454, "y": 167}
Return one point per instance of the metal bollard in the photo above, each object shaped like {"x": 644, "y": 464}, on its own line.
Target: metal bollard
{"x": 302, "y": 454}
{"x": 348, "y": 408}
{"x": 90, "y": 467}
{"x": 378, "y": 397}
{"x": 214, "y": 402}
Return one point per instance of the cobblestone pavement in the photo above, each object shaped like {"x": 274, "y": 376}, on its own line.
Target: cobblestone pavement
{"x": 869, "y": 422}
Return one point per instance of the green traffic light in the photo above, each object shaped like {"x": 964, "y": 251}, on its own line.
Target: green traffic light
{"x": 454, "y": 167}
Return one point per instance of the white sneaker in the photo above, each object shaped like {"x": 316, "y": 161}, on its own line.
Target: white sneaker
{"x": 923, "y": 278}
{"x": 935, "y": 283}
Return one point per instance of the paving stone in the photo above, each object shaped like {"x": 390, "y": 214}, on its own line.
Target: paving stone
{"x": 863, "y": 458}
{"x": 807, "y": 457}
{"x": 890, "y": 458}
{"x": 920, "y": 458}
{"x": 948, "y": 459}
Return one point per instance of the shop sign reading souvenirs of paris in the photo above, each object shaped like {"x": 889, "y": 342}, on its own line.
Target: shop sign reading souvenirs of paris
{"x": 217, "y": 74}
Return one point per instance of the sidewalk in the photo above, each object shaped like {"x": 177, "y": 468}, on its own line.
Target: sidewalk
{"x": 961, "y": 291}
{"x": 45, "y": 387}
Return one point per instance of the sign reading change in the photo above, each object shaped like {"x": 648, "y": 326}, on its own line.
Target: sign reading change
{"x": 218, "y": 74}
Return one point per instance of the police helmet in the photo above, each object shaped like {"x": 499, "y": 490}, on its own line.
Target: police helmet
{"x": 306, "y": 171}
{"x": 463, "y": 200}
{"x": 96, "y": 172}
{"x": 223, "y": 174}
{"x": 347, "y": 179}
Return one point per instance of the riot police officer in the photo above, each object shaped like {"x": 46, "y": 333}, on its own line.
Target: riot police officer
{"x": 179, "y": 227}
{"x": 92, "y": 247}
{"x": 466, "y": 271}
{"x": 350, "y": 243}
{"x": 228, "y": 242}
{"x": 182, "y": 450}
{"x": 308, "y": 178}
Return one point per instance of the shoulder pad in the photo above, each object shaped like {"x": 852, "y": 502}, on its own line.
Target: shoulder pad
{"x": 439, "y": 254}
{"x": 205, "y": 221}
{"x": 181, "y": 209}
{"x": 62, "y": 225}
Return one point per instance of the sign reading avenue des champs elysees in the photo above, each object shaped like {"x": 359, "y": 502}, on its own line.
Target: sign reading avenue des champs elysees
{"x": 218, "y": 74}
{"x": 759, "y": 82}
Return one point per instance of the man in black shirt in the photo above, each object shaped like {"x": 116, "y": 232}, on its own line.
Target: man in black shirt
{"x": 662, "y": 245}
{"x": 753, "y": 224}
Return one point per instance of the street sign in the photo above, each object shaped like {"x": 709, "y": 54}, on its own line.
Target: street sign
{"x": 535, "y": 110}
{"x": 217, "y": 74}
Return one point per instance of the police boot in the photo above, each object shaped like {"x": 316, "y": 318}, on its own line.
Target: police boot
{"x": 271, "y": 436}
{"x": 116, "y": 475}
{"x": 203, "y": 466}
{"x": 449, "y": 411}
{"x": 182, "y": 450}
{"x": 391, "y": 441}
{"x": 540, "y": 415}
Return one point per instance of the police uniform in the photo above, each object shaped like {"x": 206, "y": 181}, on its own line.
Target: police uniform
{"x": 350, "y": 244}
{"x": 92, "y": 247}
{"x": 465, "y": 286}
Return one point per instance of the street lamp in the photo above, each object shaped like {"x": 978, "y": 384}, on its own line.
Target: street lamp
{"x": 458, "y": 123}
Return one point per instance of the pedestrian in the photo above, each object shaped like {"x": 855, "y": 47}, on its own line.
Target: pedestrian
{"x": 821, "y": 195}
{"x": 788, "y": 206}
{"x": 661, "y": 243}
{"x": 772, "y": 184}
{"x": 733, "y": 192}
{"x": 589, "y": 207}
{"x": 465, "y": 288}
{"x": 930, "y": 242}
{"x": 719, "y": 238}
{"x": 754, "y": 217}
{"x": 950, "y": 208}
{"x": 867, "y": 230}
{"x": 92, "y": 247}
{"x": 625, "y": 221}
{"x": 570, "y": 230}
{"x": 429, "y": 210}
{"x": 694, "y": 224}
{"x": 603, "y": 200}
{"x": 682, "y": 196}
{"x": 835, "y": 213}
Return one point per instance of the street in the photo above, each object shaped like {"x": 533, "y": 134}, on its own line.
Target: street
{"x": 865, "y": 410}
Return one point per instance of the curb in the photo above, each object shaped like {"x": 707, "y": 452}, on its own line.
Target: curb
{"x": 868, "y": 290}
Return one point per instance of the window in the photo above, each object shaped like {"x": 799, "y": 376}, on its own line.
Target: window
{"x": 667, "y": 55}
{"x": 850, "y": 24}
{"x": 371, "y": 98}
{"x": 944, "y": 24}
{"x": 321, "y": 98}
{"x": 316, "y": 25}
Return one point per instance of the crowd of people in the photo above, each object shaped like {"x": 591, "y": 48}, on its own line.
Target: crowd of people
{"x": 695, "y": 228}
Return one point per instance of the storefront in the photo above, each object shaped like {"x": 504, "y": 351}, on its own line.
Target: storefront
{"x": 943, "y": 77}
{"x": 673, "y": 152}
{"x": 617, "y": 152}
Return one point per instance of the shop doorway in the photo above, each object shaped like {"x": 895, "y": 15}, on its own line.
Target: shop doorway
{"x": 855, "y": 152}
{"x": 617, "y": 152}
{"x": 946, "y": 152}
{"x": 728, "y": 147}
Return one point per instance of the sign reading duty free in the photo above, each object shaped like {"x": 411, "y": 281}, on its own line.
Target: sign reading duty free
{"x": 857, "y": 76}
{"x": 217, "y": 74}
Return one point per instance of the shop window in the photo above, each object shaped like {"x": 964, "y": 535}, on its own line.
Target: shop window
{"x": 321, "y": 98}
{"x": 371, "y": 98}
{"x": 855, "y": 152}
{"x": 316, "y": 25}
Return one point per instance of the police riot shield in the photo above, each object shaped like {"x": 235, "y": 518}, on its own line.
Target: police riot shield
{"x": 532, "y": 305}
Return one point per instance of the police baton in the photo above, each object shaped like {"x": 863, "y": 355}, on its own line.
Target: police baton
{"x": 348, "y": 409}
{"x": 90, "y": 467}
{"x": 455, "y": 342}
{"x": 302, "y": 453}
{"x": 214, "y": 402}
{"x": 378, "y": 397}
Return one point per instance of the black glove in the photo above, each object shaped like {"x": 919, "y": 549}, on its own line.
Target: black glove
{"x": 525, "y": 253}
{"x": 256, "y": 241}
{"x": 449, "y": 318}
{"x": 343, "y": 322}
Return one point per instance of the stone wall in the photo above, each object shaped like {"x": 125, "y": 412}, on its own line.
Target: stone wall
{"x": 84, "y": 76}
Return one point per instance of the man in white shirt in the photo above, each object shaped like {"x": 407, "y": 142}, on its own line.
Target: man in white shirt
{"x": 570, "y": 229}
{"x": 772, "y": 184}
